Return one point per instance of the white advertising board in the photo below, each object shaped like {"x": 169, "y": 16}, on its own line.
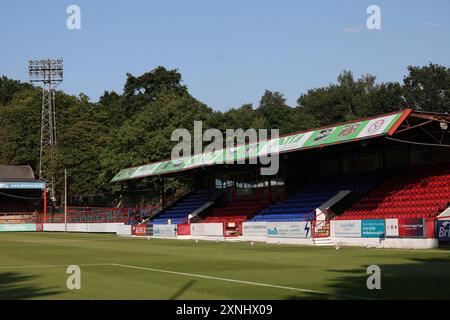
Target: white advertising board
{"x": 207, "y": 229}
{"x": 346, "y": 228}
{"x": 258, "y": 229}
{"x": 391, "y": 227}
{"x": 289, "y": 229}
{"x": 83, "y": 227}
{"x": 123, "y": 230}
{"x": 165, "y": 230}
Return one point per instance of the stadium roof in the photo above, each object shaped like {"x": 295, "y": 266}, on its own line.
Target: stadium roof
{"x": 16, "y": 173}
{"x": 19, "y": 177}
{"x": 382, "y": 125}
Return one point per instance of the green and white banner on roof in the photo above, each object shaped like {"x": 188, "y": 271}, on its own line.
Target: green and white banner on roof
{"x": 309, "y": 139}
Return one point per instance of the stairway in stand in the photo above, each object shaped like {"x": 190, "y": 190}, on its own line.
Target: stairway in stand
{"x": 321, "y": 233}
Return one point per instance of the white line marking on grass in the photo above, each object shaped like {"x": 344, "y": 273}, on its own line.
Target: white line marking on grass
{"x": 190, "y": 275}
{"x": 240, "y": 281}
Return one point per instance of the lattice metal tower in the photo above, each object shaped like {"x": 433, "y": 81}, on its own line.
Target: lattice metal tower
{"x": 49, "y": 72}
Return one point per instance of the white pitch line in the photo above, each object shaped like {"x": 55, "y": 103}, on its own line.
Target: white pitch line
{"x": 190, "y": 275}
{"x": 240, "y": 281}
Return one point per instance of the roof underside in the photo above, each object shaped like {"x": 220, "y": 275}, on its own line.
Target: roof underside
{"x": 383, "y": 125}
{"x": 424, "y": 128}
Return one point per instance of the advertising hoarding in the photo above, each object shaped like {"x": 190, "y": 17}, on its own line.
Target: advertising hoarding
{"x": 443, "y": 230}
{"x": 373, "y": 228}
{"x": 411, "y": 227}
{"x": 22, "y": 185}
{"x": 255, "y": 229}
{"x": 346, "y": 228}
{"x": 391, "y": 227}
{"x": 164, "y": 230}
{"x": 139, "y": 230}
{"x": 184, "y": 229}
{"x": 26, "y": 227}
{"x": 289, "y": 229}
{"x": 207, "y": 229}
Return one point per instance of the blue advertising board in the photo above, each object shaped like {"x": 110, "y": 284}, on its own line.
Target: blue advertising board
{"x": 22, "y": 185}
{"x": 373, "y": 228}
{"x": 443, "y": 230}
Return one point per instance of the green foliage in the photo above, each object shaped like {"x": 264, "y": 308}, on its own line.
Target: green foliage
{"x": 146, "y": 137}
{"x": 428, "y": 88}
{"x": 81, "y": 142}
{"x": 351, "y": 99}
{"x": 139, "y": 91}
{"x": 96, "y": 140}
{"x": 20, "y": 129}
{"x": 8, "y": 88}
{"x": 274, "y": 110}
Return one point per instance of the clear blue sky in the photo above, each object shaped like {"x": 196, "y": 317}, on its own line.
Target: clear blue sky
{"x": 228, "y": 51}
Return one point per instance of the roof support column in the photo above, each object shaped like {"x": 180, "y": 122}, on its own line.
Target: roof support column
{"x": 270, "y": 188}
{"x": 162, "y": 194}
{"x": 45, "y": 205}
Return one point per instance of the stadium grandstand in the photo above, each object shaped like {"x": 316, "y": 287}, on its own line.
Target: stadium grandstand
{"x": 360, "y": 179}
{"x": 386, "y": 167}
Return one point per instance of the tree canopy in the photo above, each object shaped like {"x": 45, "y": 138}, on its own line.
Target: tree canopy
{"x": 97, "y": 139}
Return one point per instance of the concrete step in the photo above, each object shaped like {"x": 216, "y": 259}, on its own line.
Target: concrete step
{"x": 323, "y": 241}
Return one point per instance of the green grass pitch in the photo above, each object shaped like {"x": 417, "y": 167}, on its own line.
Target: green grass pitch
{"x": 33, "y": 266}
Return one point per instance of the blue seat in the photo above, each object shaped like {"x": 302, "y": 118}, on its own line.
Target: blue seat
{"x": 179, "y": 212}
{"x": 301, "y": 206}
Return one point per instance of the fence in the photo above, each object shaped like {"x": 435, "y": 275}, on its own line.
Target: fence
{"x": 77, "y": 215}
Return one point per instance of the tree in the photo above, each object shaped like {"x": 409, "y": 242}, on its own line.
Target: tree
{"x": 386, "y": 98}
{"x": 351, "y": 99}
{"x": 141, "y": 90}
{"x": 273, "y": 109}
{"x": 146, "y": 137}
{"x": 20, "y": 129}
{"x": 298, "y": 120}
{"x": 8, "y": 88}
{"x": 113, "y": 106}
{"x": 96, "y": 140}
{"x": 82, "y": 140}
{"x": 428, "y": 88}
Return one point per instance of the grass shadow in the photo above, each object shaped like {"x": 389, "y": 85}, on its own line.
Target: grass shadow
{"x": 182, "y": 290}
{"x": 419, "y": 279}
{"x": 13, "y": 286}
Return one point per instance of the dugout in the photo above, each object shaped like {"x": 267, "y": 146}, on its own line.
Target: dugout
{"x": 22, "y": 196}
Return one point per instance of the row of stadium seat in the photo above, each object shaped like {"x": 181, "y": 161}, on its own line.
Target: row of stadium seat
{"x": 178, "y": 214}
{"x": 418, "y": 192}
{"x": 236, "y": 211}
{"x": 301, "y": 206}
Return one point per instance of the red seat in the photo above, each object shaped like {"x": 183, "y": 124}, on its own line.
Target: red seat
{"x": 421, "y": 192}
